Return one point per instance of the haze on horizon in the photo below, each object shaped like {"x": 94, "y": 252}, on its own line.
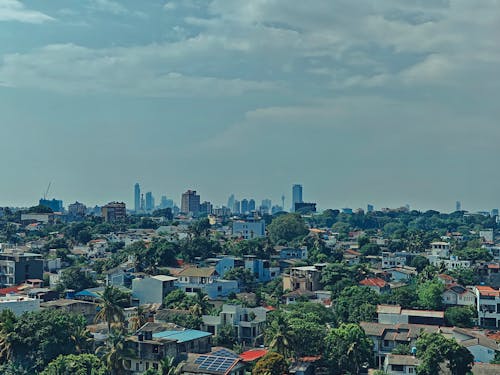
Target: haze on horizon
{"x": 385, "y": 102}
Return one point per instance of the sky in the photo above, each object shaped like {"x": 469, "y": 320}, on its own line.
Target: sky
{"x": 370, "y": 101}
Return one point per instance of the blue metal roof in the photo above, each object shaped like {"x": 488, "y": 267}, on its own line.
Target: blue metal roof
{"x": 181, "y": 336}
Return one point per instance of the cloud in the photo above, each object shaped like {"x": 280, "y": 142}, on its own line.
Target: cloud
{"x": 14, "y": 10}
{"x": 109, "y": 6}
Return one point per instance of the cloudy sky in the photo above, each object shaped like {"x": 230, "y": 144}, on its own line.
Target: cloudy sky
{"x": 368, "y": 101}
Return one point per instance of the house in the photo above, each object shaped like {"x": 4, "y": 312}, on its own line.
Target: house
{"x": 206, "y": 280}
{"x": 152, "y": 289}
{"x": 404, "y": 273}
{"x": 395, "y": 364}
{"x": 457, "y": 295}
{"x": 453, "y": 263}
{"x": 303, "y": 278}
{"x": 397, "y": 259}
{"x": 15, "y": 268}
{"x": 377, "y": 284}
{"x": 19, "y": 304}
{"x": 248, "y": 323}
{"x": 249, "y": 229}
{"x": 394, "y": 314}
{"x": 85, "y": 308}
{"x": 220, "y": 361}
{"x": 155, "y": 341}
{"x": 286, "y": 252}
{"x": 121, "y": 275}
{"x": 261, "y": 268}
{"x": 488, "y": 306}
{"x": 352, "y": 256}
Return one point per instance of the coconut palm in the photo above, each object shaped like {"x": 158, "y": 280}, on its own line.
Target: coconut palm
{"x": 115, "y": 353}
{"x": 138, "y": 320}
{"x": 168, "y": 366}
{"x": 111, "y": 306}
{"x": 82, "y": 339}
{"x": 278, "y": 335}
{"x": 7, "y": 321}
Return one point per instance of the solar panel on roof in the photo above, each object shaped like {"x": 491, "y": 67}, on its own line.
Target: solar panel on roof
{"x": 225, "y": 353}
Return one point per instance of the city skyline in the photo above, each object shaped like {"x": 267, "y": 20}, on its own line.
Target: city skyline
{"x": 369, "y": 101}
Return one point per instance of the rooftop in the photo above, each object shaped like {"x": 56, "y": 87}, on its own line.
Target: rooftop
{"x": 181, "y": 336}
{"x": 405, "y": 360}
{"x": 198, "y": 272}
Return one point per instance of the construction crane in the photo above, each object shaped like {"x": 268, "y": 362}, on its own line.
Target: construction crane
{"x": 47, "y": 191}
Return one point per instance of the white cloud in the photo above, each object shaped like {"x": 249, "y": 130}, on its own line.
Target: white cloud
{"x": 109, "y": 6}
{"x": 14, "y": 10}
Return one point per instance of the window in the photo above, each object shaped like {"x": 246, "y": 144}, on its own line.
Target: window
{"x": 410, "y": 370}
{"x": 398, "y": 368}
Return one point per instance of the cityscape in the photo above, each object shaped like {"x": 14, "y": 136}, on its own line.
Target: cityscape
{"x": 249, "y": 187}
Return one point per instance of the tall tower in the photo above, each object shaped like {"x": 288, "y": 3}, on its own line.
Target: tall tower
{"x": 458, "y": 206}
{"x": 296, "y": 195}
{"x": 282, "y": 201}
{"x": 190, "y": 202}
{"x": 137, "y": 197}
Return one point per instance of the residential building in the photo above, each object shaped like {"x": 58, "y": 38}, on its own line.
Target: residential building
{"x": 244, "y": 206}
{"x": 206, "y": 280}
{"x": 452, "y": 263}
{"x": 251, "y": 205}
{"x": 152, "y": 289}
{"x": 206, "y": 208}
{"x": 47, "y": 218}
{"x": 457, "y": 295}
{"x": 400, "y": 364}
{"x": 296, "y": 195}
{"x": 19, "y": 304}
{"x": 77, "y": 210}
{"x": 190, "y": 202}
{"x": 397, "y": 259}
{"x": 394, "y": 314}
{"x": 114, "y": 212}
{"x": 220, "y": 361}
{"x": 137, "y": 197}
{"x": 248, "y": 323}
{"x": 249, "y": 229}
{"x": 376, "y": 284}
{"x": 487, "y": 235}
{"x": 261, "y": 268}
{"x": 488, "y": 306}
{"x": 150, "y": 201}
{"x": 18, "y": 267}
{"x": 404, "y": 273}
{"x": 86, "y": 308}
{"x": 306, "y": 278}
{"x": 55, "y": 205}
{"x": 291, "y": 252}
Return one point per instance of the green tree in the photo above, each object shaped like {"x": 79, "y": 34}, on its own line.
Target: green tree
{"x": 114, "y": 353}
{"x": 169, "y": 367}
{"x": 226, "y": 336}
{"x": 287, "y": 228}
{"x": 370, "y": 249}
{"x": 356, "y": 304}
{"x": 307, "y": 335}
{"x": 7, "y": 323}
{"x": 75, "y": 278}
{"x": 402, "y": 349}
{"x": 81, "y": 364}
{"x": 245, "y": 277}
{"x": 347, "y": 349}
{"x": 278, "y": 335}
{"x": 419, "y": 262}
{"x": 112, "y": 301}
{"x": 271, "y": 364}
{"x": 403, "y": 296}
{"x": 460, "y": 316}
{"x": 430, "y": 294}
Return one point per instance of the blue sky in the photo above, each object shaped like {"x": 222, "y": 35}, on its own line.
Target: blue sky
{"x": 371, "y": 101}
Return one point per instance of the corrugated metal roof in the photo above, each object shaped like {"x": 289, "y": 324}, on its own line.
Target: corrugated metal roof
{"x": 181, "y": 336}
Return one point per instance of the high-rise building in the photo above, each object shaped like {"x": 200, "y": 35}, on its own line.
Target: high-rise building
{"x": 150, "y": 201}
{"x": 230, "y": 201}
{"x": 244, "y": 206}
{"x": 265, "y": 206}
{"x": 458, "y": 206}
{"x": 251, "y": 205}
{"x": 236, "y": 209}
{"x": 114, "y": 211}
{"x": 143, "y": 204}
{"x": 137, "y": 197}
{"x": 190, "y": 202}
{"x": 77, "y": 209}
{"x": 296, "y": 195}
{"x": 369, "y": 208}
{"x": 206, "y": 208}
{"x": 55, "y": 205}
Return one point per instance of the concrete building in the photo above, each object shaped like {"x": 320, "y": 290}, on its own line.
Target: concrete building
{"x": 16, "y": 268}
{"x": 248, "y": 323}
{"x": 296, "y": 195}
{"x": 137, "y": 197}
{"x": 394, "y": 314}
{"x": 292, "y": 253}
{"x": 457, "y": 295}
{"x": 244, "y": 206}
{"x": 190, "y": 202}
{"x": 488, "y": 306}
{"x": 77, "y": 210}
{"x": 114, "y": 212}
{"x": 19, "y": 304}
{"x": 55, "y": 205}
{"x": 377, "y": 284}
{"x": 206, "y": 280}
{"x": 150, "y": 201}
{"x": 397, "y": 259}
{"x": 395, "y": 364}
{"x": 249, "y": 229}
{"x": 261, "y": 268}
{"x": 306, "y": 278}
{"x": 152, "y": 289}
{"x": 39, "y": 218}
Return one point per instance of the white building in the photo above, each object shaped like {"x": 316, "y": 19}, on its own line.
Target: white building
{"x": 391, "y": 260}
{"x": 249, "y": 229}
{"x": 457, "y": 295}
{"x": 488, "y": 306}
{"x": 152, "y": 289}
{"x": 452, "y": 263}
{"x": 400, "y": 364}
{"x": 19, "y": 304}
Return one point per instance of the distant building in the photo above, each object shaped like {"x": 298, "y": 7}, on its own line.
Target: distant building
{"x": 55, "y": 205}
{"x": 206, "y": 280}
{"x": 190, "y": 202}
{"x": 304, "y": 207}
{"x": 487, "y": 235}
{"x": 206, "y": 208}
{"x": 369, "y": 208}
{"x": 249, "y": 229}
{"x": 347, "y": 210}
{"x": 236, "y": 208}
{"x": 306, "y": 278}
{"x": 114, "y": 211}
{"x": 265, "y": 206}
{"x": 152, "y": 289}
{"x": 296, "y": 195}
{"x": 458, "y": 206}
{"x": 251, "y": 205}
{"x": 150, "y": 201}
{"x": 230, "y": 201}
{"x": 39, "y": 218}
{"x": 17, "y": 268}
{"x": 244, "y": 206}
{"x": 19, "y": 304}
{"x": 137, "y": 197}
{"x": 77, "y": 209}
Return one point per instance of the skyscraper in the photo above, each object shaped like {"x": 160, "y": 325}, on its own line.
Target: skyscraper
{"x": 458, "y": 206}
{"x": 137, "y": 197}
{"x": 251, "y": 205}
{"x": 296, "y": 195}
{"x": 190, "y": 202}
{"x": 244, "y": 206}
{"x": 230, "y": 202}
{"x": 150, "y": 201}
{"x": 236, "y": 209}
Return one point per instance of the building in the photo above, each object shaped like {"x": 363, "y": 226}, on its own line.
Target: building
{"x": 265, "y": 206}
{"x": 19, "y": 304}
{"x": 292, "y": 253}
{"x": 77, "y": 210}
{"x": 16, "y": 268}
{"x": 220, "y": 361}
{"x": 304, "y": 207}
{"x": 190, "y": 202}
{"x": 261, "y": 268}
{"x": 206, "y": 208}
{"x": 137, "y": 197}
{"x": 487, "y": 235}
{"x": 296, "y": 195}
{"x": 152, "y": 289}
{"x": 394, "y": 314}
{"x": 55, "y": 205}
{"x": 249, "y": 229}
{"x": 377, "y": 284}
{"x": 488, "y": 306}
{"x": 85, "y": 308}
{"x": 457, "y": 295}
{"x": 370, "y": 208}
{"x": 458, "y": 206}
{"x": 396, "y": 364}
{"x": 230, "y": 201}
{"x": 244, "y": 206}
{"x": 114, "y": 212}
{"x": 251, "y": 205}
{"x": 38, "y": 218}
{"x": 236, "y": 208}
{"x": 306, "y": 278}
{"x": 206, "y": 280}
{"x": 248, "y": 323}
{"x": 397, "y": 259}
{"x": 150, "y": 201}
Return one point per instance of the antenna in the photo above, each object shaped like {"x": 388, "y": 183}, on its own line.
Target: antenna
{"x": 47, "y": 191}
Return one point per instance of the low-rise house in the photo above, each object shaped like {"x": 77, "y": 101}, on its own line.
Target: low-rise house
{"x": 377, "y": 284}
{"x": 205, "y": 280}
{"x": 249, "y": 229}
{"x": 248, "y": 323}
{"x": 306, "y": 278}
{"x": 121, "y": 275}
{"x": 220, "y": 361}
{"x": 19, "y": 304}
{"x": 394, "y": 260}
{"x": 453, "y": 263}
{"x": 488, "y": 306}
{"x": 394, "y": 314}
{"x": 352, "y": 256}
{"x": 400, "y": 364}
{"x": 152, "y": 289}
{"x": 85, "y": 308}
{"x": 402, "y": 273}
{"x": 457, "y": 295}
{"x": 261, "y": 268}
{"x": 286, "y": 252}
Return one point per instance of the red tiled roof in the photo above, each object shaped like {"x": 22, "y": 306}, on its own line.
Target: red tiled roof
{"x": 494, "y": 266}
{"x": 374, "y": 281}
{"x": 445, "y": 276}
{"x": 12, "y": 289}
{"x": 487, "y": 291}
{"x": 252, "y": 355}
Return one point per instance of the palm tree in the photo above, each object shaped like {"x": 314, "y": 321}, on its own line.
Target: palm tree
{"x": 138, "y": 320}
{"x": 168, "y": 367}
{"x": 115, "y": 353}
{"x": 7, "y": 321}
{"x": 111, "y": 310}
{"x": 278, "y": 336}
{"x": 83, "y": 340}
